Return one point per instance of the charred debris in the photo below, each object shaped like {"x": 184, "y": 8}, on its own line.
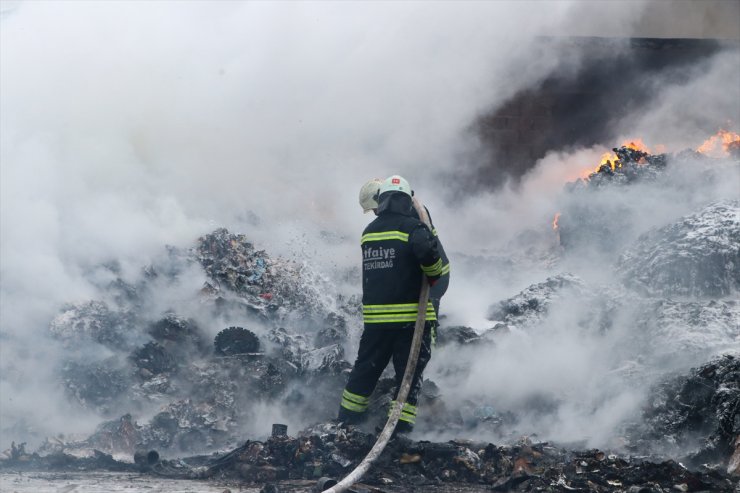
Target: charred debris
{"x": 304, "y": 463}
{"x": 170, "y": 386}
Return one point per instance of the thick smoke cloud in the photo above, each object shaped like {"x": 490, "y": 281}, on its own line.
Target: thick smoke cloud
{"x": 567, "y": 382}
{"x": 127, "y": 126}
{"x": 682, "y": 115}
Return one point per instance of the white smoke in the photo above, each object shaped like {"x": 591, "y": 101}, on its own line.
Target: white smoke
{"x": 568, "y": 382}
{"x": 127, "y": 126}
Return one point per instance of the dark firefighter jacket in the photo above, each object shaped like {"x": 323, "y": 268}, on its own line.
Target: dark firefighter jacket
{"x": 397, "y": 250}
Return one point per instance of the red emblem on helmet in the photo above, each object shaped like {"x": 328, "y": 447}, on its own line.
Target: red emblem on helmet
{"x": 396, "y": 181}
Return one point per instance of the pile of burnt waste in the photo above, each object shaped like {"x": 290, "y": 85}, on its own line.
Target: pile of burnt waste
{"x": 697, "y": 256}
{"x": 240, "y": 274}
{"x": 170, "y": 384}
{"x": 407, "y": 465}
{"x": 331, "y": 451}
{"x": 174, "y": 383}
{"x": 668, "y": 313}
{"x": 697, "y": 417}
{"x": 205, "y": 398}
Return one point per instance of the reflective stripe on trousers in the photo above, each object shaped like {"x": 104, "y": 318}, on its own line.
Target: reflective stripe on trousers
{"x": 400, "y": 312}
{"x": 354, "y": 402}
{"x": 408, "y": 412}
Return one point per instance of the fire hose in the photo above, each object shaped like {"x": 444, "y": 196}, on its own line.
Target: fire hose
{"x": 403, "y": 391}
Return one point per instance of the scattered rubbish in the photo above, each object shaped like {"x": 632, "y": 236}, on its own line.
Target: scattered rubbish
{"x": 279, "y": 430}
{"x": 236, "y": 340}
{"x": 146, "y": 459}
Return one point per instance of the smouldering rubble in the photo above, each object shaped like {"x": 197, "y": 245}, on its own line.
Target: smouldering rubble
{"x": 697, "y": 256}
{"x": 407, "y": 465}
{"x": 170, "y": 384}
{"x": 694, "y": 417}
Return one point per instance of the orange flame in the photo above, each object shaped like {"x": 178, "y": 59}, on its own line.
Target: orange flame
{"x": 555, "y": 221}
{"x": 608, "y": 158}
{"x": 718, "y": 145}
{"x": 611, "y": 159}
{"x": 636, "y": 144}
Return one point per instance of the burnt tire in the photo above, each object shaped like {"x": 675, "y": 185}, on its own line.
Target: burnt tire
{"x": 236, "y": 340}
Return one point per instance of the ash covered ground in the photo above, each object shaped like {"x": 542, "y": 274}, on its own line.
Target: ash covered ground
{"x": 652, "y": 404}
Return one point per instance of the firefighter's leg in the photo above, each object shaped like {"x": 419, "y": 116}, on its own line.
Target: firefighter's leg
{"x": 400, "y": 357}
{"x": 373, "y": 355}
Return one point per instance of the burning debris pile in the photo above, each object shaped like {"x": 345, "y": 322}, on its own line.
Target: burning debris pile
{"x": 632, "y": 161}
{"x": 598, "y": 216}
{"x": 628, "y": 164}
{"x": 273, "y": 337}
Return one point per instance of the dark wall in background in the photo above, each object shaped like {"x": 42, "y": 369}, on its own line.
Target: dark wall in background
{"x": 579, "y": 109}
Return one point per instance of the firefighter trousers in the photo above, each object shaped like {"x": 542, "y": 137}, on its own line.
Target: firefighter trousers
{"x": 378, "y": 347}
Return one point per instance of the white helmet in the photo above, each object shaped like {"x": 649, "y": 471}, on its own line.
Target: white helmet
{"x": 395, "y": 183}
{"x": 369, "y": 195}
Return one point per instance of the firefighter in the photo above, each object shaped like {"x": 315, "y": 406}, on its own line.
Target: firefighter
{"x": 369, "y": 196}
{"x": 368, "y": 202}
{"x": 398, "y": 251}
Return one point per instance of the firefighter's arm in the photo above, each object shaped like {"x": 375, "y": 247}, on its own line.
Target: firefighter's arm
{"x": 424, "y": 246}
{"x": 421, "y": 210}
